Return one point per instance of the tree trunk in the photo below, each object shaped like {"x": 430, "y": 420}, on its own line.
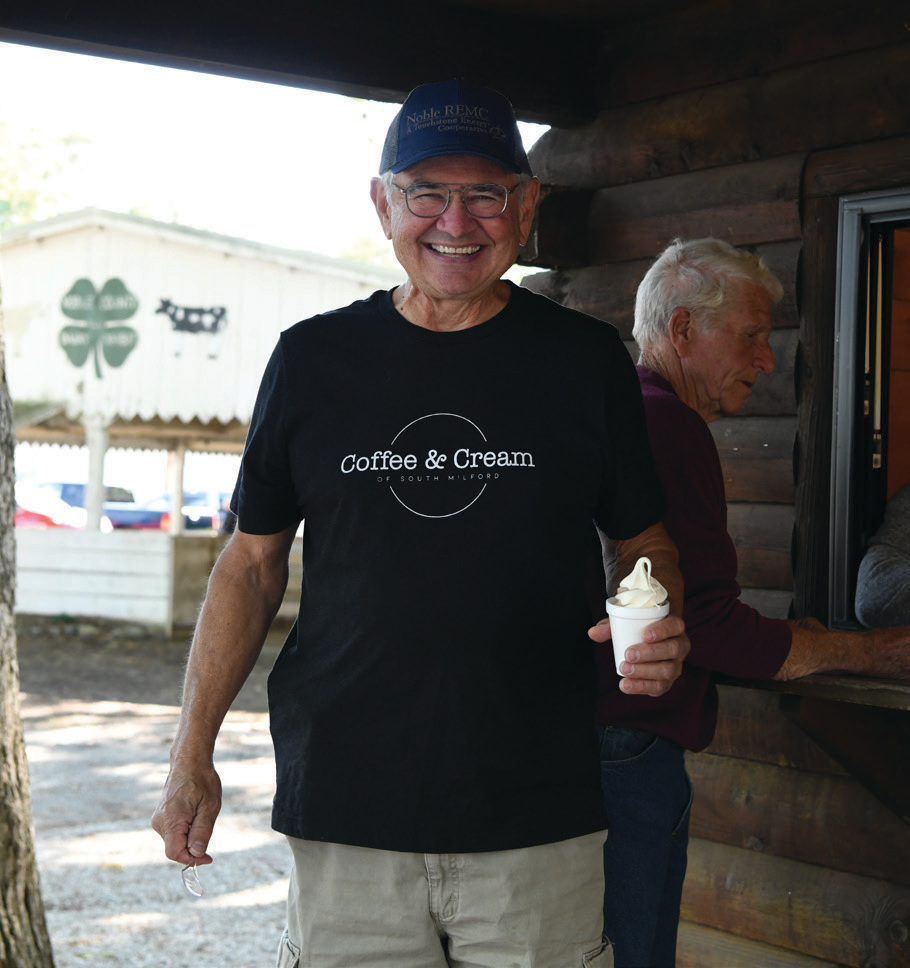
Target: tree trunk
{"x": 24, "y": 941}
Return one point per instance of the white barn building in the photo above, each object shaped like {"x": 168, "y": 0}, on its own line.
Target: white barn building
{"x": 124, "y": 331}
{"x": 121, "y": 331}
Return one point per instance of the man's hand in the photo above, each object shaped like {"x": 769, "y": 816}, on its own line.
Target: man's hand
{"x": 244, "y": 592}
{"x": 651, "y": 668}
{"x": 186, "y": 813}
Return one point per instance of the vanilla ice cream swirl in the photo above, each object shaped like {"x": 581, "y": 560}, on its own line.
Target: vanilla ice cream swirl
{"x": 639, "y": 589}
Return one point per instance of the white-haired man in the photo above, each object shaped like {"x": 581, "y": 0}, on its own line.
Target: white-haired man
{"x": 703, "y": 318}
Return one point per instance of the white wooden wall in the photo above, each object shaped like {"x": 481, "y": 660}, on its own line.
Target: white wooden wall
{"x": 139, "y": 576}
{"x": 122, "y": 575}
{"x": 169, "y": 374}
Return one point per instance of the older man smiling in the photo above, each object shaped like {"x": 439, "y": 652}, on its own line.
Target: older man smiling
{"x": 442, "y": 615}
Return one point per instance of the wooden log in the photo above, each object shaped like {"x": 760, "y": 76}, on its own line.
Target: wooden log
{"x": 766, "y": 568}
{"x": 814, "y": 378}
{"x": 608, "y": 291}
{"x": 701, "y": 947}
{"x": 870, "y": 743}
{"x": 825, "y": 914}
{"x": 878, "y": 165}
{"x": 762, "y": 534}
{"x": 775, "y": 395}
{"x": 756, "y": 454}
{"x": 560, "y": 230}
{"x": 750, "y": 725}
{"x": 830, "y": 821}
{"x": 810, "y": 107}
{"x": 768, "y": 602}
{"x": 766, "y": 479}
{"x": 743, "y": 204}
{"x": 835, "y": 688}
{"x": 737, "y": 41}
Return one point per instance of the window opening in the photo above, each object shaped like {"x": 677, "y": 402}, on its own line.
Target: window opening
{"x": 871, "y": 432}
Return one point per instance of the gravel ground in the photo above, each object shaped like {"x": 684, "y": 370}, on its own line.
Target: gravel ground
{"x": 99, "y": 707}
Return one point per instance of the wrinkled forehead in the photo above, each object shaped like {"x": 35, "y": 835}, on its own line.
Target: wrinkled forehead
{"x": 751, "y": 301}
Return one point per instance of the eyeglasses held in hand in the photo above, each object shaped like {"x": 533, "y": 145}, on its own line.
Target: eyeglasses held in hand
{"x": 430, "y": 200}
{"x": 191, "y": 880}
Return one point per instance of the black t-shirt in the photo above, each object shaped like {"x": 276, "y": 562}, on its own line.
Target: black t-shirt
{"x": 436, "y": 694}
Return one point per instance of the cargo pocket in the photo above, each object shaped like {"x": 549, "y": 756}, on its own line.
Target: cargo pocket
{"x": 599, "y": 957}
{"x": 288, "y": 952}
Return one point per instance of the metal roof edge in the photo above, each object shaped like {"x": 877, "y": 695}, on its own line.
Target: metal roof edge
{"x": 234, "y": 245}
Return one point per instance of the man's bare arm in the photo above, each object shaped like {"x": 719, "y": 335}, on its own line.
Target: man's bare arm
{"x": 884, "y": 653}
{"x": 244, "y": 593}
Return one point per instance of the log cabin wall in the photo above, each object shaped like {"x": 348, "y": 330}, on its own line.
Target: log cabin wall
{"x": 793, "y": 862}
{"x": 743, "y": 149}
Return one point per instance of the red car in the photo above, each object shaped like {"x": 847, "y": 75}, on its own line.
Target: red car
{"x": 38, "y": 506}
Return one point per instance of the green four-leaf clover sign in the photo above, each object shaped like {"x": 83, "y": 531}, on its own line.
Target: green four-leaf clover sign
{"x": 97, "y": 309}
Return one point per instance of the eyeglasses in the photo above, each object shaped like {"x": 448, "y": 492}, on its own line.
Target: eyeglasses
{"x": 191, "y": 880}
{"x": 430, "y": 201}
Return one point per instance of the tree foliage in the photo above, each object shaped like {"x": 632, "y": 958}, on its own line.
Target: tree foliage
{"x": 30, "y": 166}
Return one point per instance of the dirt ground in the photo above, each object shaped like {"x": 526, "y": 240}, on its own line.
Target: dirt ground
{"x": 99, "y": 707}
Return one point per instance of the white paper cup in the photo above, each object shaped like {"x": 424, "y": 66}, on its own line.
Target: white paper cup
{"x": 627, "y": 625}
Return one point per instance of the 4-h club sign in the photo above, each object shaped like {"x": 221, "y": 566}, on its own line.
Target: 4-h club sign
{"x": 97, "y": 310}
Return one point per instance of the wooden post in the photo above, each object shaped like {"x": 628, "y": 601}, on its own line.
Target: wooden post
{"x": 176, "y": 460}
{"x": 96, "y": 439}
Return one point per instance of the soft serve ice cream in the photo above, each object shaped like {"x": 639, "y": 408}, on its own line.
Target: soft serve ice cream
{"x": 639, "y": 589}
{"x": 639, "y": 601}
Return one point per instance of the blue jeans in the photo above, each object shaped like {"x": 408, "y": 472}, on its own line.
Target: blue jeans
{"x": 648, "y": 795}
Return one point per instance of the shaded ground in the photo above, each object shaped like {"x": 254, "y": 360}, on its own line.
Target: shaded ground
{"x": 99, "y": 708}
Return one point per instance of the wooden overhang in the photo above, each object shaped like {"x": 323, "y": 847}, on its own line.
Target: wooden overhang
{"x": 560, "y": 63}
{"x": 538, "y": 52}
{"x": 48, "y": 423}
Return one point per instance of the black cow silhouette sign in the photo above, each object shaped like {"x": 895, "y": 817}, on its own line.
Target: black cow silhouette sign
{"x": 192, "y": 319}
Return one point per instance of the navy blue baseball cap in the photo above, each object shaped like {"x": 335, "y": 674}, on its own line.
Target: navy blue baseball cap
{"x": 454, "y": 118}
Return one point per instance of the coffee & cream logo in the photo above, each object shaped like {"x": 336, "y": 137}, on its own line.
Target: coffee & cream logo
{"x": 438, "y": 465}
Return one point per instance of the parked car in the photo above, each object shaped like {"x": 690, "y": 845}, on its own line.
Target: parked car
{"x": 201, "y": 511}
{"x": 118, "y": 501}
{"x": 66, "y": 500}
{"x": 39, "y": 506}
{"x": 74, "y": 494}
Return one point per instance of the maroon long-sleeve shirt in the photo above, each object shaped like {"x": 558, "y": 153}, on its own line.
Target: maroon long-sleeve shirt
{"x": 726, "y": 635}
